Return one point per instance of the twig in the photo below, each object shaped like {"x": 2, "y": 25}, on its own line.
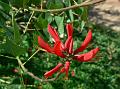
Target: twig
{"x": 33, "y": 76}
{"x": 28, "y": 22}
{"x": 32, "y": 56}
{"x": 3, "y": 81}
{"x": 86, "y": 3}
{"x": 3, "y": 85}
{"x": 7, "y": 57}
{"x": 22, "y": 26}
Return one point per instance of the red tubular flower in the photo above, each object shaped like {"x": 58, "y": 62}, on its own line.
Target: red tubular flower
{"x": 44, "y": 45}
{"x": 51, "y": 72}
{"x": 67, "y": 66}
{"x": 58, "y": 49}
{"x": 85, "y": 43}
{"x": 71, "y": 47}
{"x": 53, "y": 33}
{"x": 62, "y": 70}
{"x": 69, "y": 29}
{"x": 87, "y": 56}
{"x": 73, "y": 73}
{"x": 67, "y": 43}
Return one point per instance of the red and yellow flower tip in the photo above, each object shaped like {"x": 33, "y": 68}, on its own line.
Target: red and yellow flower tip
{"x": 54, "y": 70}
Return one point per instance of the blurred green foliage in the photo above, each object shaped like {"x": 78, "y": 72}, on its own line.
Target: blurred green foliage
{"x": 14, "y": 16}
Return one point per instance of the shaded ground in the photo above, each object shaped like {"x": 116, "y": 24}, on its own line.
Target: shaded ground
{"x": 107, "y": 14}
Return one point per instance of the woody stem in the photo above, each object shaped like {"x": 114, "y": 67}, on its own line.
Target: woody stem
{"x": 83, "y": 4}
{"x": 32, "y": 75}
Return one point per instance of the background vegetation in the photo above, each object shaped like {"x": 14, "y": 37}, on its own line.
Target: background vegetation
{"x": 20, "y": 25}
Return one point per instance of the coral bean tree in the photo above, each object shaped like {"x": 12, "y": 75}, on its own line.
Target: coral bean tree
{"x": 65, "y": 51}
{"x": 43, "y": 28}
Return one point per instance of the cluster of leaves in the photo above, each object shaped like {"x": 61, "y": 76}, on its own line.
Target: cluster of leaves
{"x": 15, "y": 15}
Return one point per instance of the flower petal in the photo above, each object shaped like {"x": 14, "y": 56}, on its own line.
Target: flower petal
{"x": 44, "y": 45}
{"x": 67, "y": 43}
{"x": 87, "y": 56}
{"x": 71, "y": 47}
{"x": 69, "y": 29}
{"x": 51, "y": 72}
{"x": 67, "y": 66}
{"x": 53, "y": 33}
{"x": 73, "y": 73}
{"x": 62, "y": 70}
{"x": 85, "y": 43}
{"x": 58, "y": 49}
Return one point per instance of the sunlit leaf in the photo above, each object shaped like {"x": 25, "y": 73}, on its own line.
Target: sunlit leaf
{"x": 71, "y": 13}
{"x": 59, "y": 20}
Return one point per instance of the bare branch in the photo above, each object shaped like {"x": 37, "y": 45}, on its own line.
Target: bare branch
{"x": 32, "y": 75}
{"x": 83, "y": 4}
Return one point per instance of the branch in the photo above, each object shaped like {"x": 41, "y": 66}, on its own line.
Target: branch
{"x": 83, "y": 4}
{"x": 31, "y": 56}
{"x": 28, "y": 22}
{"x": 32, "y": 75}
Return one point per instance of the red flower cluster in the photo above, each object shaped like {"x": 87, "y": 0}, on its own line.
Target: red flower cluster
{"x": 66, "y": 50}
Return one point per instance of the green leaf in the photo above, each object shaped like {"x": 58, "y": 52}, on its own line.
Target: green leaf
{"x": 54, "y": 4}
{"x": 47, "y": 86}
{"x": 4, "y": 15}
{"x": 66, "y": 3}
{"x": 11, "y": 86}
{"x": 80, "y": 1}
{"x": 35, "y": 2}
{"x": 25, "y": 2}
{"x": 17, "y": 38}
{"x": 35, "y": 40}
{"x": 19, "y": 3}
{"x": 41, "y": 22}
{"x": 84, "y": 15}
{"x": 70, "y": 13}
{"x": 82, "y": 25}
{"x": 4, "y": 7}
{"x": 59, "y": 21}
{"x": 12, "y": 48}
{"x": 49, "y": 17}
{"x": 4, "y": 12}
